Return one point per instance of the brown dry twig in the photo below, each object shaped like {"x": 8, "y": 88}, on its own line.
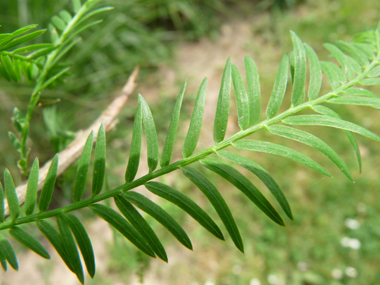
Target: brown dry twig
{"x": 73, "y": 151}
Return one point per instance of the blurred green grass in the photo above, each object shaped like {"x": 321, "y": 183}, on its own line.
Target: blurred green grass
{"x": 308, "y": 249}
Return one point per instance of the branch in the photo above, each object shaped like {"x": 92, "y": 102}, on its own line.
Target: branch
{"x": 74, "y": 150}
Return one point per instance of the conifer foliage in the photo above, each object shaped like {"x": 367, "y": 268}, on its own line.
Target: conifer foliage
{"x": 358, "y": 66}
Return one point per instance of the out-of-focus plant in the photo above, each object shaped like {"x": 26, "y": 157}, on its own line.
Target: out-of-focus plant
{"x": 40, "y": 64}
{"x": 358, "y": 64}
{"x": 138, "y": 32}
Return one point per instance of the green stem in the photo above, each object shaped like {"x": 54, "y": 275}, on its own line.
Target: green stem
{"x": 23, "y": 58}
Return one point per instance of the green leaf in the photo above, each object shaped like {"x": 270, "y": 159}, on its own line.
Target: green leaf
{"x": 122, "y": 225}
{"x": 17, "y": 69}
{"x": 267, "y": 147}
{"x": 358, "y": 92}
{"x": 334, "y": 74}
{"x": 84, "y": 162}
{"x": 170, "y": 138}
{"x": 4, "y": 35}
{"x": 369, "y": 36}
{"x": 100, "y": 162}
{"x": 33, "y": 71}
{"x": 362, "y": 101}
{"x": 367, "y": 44}
{"x": 243, "y": 184}
{"x": 8, "y": 252}
{"x": 328, "y": 112}
{"x": 18, "y": 119}
{"x": 11, "y": 194}
{"x": 23, "y": 30}
{"x": 58, "y": 23}
{"x": 325, "y": 111}
{"x": 279, "y": 87}
{"x": 336, "y": 53}
{"x": 3, "y": 260}
{"x": 4, "y": 39}
{"x": 80, "y": 29}
{"x": 56, "y": 241}
{"x": 312, "y": 141}
{"x": 354, "y": 65}
{"x": 15, "y": 141}
{"x": 52, "y": 79}
{"x": 65, "y": 50}
{"x": 139, "y": 223}
{"x": 217, "y": 202}
{"x": 299, "y": 70}
{"x": 241, "y": 98}
{"x": 4, "y": 73}
{"x": 353, "y": 51}
{"x": 160, "y": 215}
{"x": 70, "y": 248}
{"x": 370, "y": 81}
{"x": 375, "y": 72}
{"x": 83, "y": 242}
{"x": 29, "y": 241}
{"x": 48, "y": 187}
{"x": 263, "y": 175}
{"x": 66, "y": 16}
{"x": 41, "y": 52}
{"x": 365, "y": 48}
{"x": 135, "y": 150}
{"x": 31, "y": 192}
{"x": 186, "y": 204}
{"x": 196, "y": 121}
{"x": 253, "y": 90}
{"x": 76, "y": 5}
{"x": 23, "y": 39}
{"x": 151, "y": 135}
{"x": 24, "y": 134}
{"x": 315, "y": 82}
{"x": 223, "y": 106}
{"x": 318, "y": 120}
{"x": 291, "y": 65}
{"x": 8, "y": 65}
{"x": 92, "y": 13}
{"x": 1, "y": 203}
{"x": 29, "y": 48}
{"x": 343, "y": 60}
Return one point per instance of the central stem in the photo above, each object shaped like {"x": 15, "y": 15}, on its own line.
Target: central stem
{"x": 170, "y": 168}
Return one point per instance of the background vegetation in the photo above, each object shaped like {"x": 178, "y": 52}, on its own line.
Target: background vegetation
{"x": 335, "y": 236}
